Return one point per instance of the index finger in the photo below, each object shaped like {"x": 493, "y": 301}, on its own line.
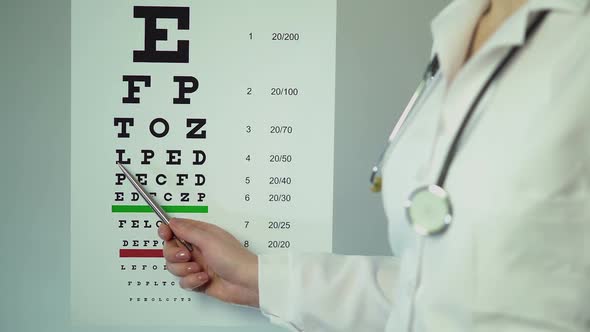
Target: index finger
{"x": 167, "y": 235}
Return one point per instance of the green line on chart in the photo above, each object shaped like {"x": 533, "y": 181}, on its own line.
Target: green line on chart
{"x": 166, "y": 208}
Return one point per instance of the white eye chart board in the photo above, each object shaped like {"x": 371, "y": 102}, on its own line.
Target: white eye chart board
{"x": 224, "y": 111}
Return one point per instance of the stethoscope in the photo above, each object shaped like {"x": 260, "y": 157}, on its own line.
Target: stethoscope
{"x": 428, "y": 208}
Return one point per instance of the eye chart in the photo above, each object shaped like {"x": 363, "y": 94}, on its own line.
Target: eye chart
{"x": 224, "y": 111}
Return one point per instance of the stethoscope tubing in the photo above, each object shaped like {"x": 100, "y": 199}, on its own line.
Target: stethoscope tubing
{"x": 429, "y": 209}
{"x": 450, "y": 156}
{"x": 431, "y": 71}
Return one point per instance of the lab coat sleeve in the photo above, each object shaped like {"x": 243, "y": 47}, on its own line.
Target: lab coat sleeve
{"x": 325, "y": 292}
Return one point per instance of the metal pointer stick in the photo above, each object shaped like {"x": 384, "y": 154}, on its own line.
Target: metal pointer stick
{"x": 148, "y": 199}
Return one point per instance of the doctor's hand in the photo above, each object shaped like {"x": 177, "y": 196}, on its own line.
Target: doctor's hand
{"x": 218, "y": 266}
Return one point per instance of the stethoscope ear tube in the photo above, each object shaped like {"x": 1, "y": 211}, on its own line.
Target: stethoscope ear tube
{"x": 431, "y": 71}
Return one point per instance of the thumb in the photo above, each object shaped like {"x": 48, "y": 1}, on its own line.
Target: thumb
{"x": 189, "y": 230}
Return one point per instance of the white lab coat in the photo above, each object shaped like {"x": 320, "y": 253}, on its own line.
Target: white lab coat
{"x": 517, "y": 255}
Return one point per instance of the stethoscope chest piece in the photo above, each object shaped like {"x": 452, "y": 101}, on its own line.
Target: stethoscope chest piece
{"x": 429, "y": 210}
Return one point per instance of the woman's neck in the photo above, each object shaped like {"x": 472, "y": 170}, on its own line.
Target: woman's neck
{"x": 490, "y": 21}
{"x": 502, "y": 9}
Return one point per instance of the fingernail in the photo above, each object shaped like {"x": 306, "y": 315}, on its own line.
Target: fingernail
{"x": 202, "y": 277}
{"x": 182, "y": 254}
{"x": 160, "y": 233}
{"x": 191, "y": 268}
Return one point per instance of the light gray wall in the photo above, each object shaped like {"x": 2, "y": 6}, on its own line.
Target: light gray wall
{"x": 381, "y": 51}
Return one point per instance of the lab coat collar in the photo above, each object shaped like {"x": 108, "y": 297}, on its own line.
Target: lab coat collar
{"x": 452, "y": 29}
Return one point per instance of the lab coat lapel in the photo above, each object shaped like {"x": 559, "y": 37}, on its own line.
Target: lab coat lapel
{"x": 470, "y": 79}
{"x": 571, "y": 6}
{"x": 451, "y": 32}
{"x": 452, "y": 28}
{"x": 513, "y": 31}
{"x": 464, "y": 84}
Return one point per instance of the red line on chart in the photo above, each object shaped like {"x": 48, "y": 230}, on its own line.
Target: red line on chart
{"x": 141, "y": 253}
